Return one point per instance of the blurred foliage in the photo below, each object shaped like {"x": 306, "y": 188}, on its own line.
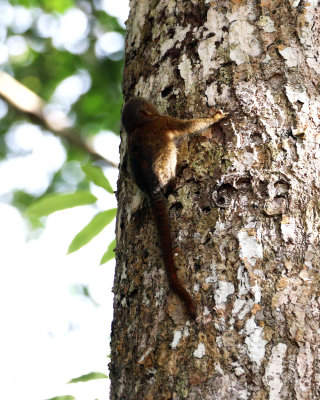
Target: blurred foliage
{"x": 44, "y": 65}
{"x": 67, "y": 397}
{"x": 60, "y": 49}
{"x": 89, "y": 377}
{"x": 47, "y": 5}
{"x": 47, "y": 61}
{"x": 83, "y": 378}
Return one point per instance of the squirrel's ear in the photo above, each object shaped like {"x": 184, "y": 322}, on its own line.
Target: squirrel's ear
{"x": 146, "y": 112}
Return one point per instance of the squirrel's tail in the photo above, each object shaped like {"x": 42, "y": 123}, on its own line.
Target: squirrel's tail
{"x": 160, "y": 213}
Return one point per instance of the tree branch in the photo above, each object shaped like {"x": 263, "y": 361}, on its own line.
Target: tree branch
{"x": 25, "y": 100}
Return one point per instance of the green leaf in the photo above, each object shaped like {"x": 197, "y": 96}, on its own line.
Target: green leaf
{"x": 109, "y": 254}
{"x": 89, "y": 377}
{"x": 49, "y": 5}
{"x": 58, "y": 5}
{"x": 22, "y": 200}
{"x": 55, "y": 202}
{"x": 67, "y": 397}
{"x": 96, "y": 175}
{"x": 95, "y": 226}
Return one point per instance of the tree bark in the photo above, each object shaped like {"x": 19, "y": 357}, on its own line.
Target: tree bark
{"x": 245, "y": 211}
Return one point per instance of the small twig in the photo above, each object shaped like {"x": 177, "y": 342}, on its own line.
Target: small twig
{"x": 25, "y": 100}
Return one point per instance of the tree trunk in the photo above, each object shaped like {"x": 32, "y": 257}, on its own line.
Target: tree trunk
{"x": 245, "y": 212}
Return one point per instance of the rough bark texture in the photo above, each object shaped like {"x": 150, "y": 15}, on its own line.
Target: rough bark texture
{"x": 245, "y": 214}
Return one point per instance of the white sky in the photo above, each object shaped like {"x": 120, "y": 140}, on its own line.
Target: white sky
{"x": 49, "y": 334}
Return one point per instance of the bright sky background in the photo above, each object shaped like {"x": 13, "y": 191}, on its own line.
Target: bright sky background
{"x": 49, "y": 332}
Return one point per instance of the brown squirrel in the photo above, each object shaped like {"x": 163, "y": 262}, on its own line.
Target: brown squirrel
{"x": 153, "y": 157}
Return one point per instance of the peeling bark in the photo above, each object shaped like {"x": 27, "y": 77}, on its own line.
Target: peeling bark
{"x": 245, "y": 211}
